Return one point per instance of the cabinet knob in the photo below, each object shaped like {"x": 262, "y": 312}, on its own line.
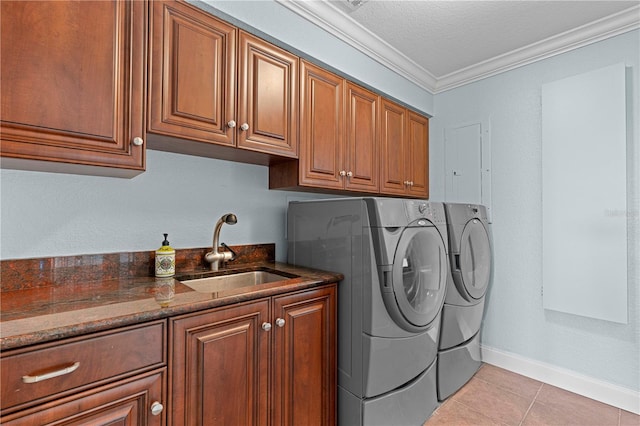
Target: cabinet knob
{"x": 343, "y": 173}
{"x": 156, "y": 408}
{"x": 266, "y": 326}
{"x": 138, "y": 141}
{"x": 349, "y": 173}
{"x": 231, "y": 124}
{"x": 410, "y": 183}
{"x": 280, "y": 322}
{"x": 406, "y": 183}
{"x": 244, "y": 127}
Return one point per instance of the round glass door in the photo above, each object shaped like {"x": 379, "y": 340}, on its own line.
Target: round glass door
{"x": 419, "y": 276}
{"x": 475, "y": 259}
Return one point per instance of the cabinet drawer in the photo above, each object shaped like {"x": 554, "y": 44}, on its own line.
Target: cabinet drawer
{"x": 124, "y": 402}
{"x": 31, "y": 375}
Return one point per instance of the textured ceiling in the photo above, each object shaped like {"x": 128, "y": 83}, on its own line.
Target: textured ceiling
{"x": 439, "y": 40}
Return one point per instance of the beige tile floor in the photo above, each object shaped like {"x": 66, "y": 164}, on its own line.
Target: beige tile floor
{"x": 499, "y": 397}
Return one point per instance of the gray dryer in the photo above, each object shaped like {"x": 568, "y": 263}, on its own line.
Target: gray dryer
{"x": 471, "y": 264}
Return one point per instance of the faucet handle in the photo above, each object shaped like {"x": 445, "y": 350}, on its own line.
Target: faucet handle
{"x": 233, "y": 253}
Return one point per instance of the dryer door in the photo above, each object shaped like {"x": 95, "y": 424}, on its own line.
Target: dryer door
{"x": 419, "y": 278}
{"x": 474, "y": 261}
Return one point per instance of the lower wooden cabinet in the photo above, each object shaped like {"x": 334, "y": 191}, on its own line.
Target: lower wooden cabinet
{"x": 270, "y": 361}
{"x": 106, "y": 378}
{"x": 304, "y": 358}
{"x": 134, "y": 401}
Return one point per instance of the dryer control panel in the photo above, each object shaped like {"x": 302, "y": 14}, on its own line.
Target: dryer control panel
{"x": 419, "y": 209}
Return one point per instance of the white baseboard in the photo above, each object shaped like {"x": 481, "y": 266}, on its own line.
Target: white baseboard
{"x": 616, "y": 396}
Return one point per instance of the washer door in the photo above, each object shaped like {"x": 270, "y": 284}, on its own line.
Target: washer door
{"x": 419, "y": 278}
{"x": 473, "y": 264}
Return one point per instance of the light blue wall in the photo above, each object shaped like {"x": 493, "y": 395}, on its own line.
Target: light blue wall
{"x": 54, "y": 214}
{"x": 515, "y": 320}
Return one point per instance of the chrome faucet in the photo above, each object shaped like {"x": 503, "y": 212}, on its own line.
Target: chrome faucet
{"x": 214, "y": 257}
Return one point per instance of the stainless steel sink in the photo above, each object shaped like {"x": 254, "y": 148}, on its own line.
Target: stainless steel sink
{"x": 233, "y": 281}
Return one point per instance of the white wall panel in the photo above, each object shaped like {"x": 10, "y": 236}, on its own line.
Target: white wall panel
{"x": 584, "y": 227}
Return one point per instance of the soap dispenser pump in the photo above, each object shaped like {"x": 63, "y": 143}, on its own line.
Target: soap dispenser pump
{"x": 165, "y": 259}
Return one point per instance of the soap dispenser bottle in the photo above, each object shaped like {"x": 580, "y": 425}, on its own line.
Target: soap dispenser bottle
{"x": 165, "y": 259}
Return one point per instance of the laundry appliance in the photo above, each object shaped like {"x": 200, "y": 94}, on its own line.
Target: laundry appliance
{"x": 471, "y": 264}
{"x": 393, "y": 255}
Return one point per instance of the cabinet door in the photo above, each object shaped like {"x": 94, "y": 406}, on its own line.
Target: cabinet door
{"x": 127, "y": 402}
{"x": 394, "y": 149}
{"x": 361, "y": 140}
{"x": 267, "y": 97}
{"x": 304, "y": 372}
{"x": 192, "y": 74}
{"x": 220, "y": 367}
{"x": 72, "y": 77}
{"x": 418, "y": 159}
{"x": 321, "y": 128}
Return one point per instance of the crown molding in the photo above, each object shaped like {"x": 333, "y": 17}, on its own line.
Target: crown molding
{"x": 602, "y": 29}
{"x": 332, "y": 20}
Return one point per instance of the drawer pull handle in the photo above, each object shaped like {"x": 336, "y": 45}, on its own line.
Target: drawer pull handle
{"x": 51, "y": 375}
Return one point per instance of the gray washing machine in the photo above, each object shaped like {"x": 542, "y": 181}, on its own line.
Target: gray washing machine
{"x": 471, "y": 263}
{"x": 393, "y": 254}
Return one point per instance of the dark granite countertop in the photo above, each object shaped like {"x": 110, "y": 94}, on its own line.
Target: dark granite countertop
{"x": 31, "y": 313}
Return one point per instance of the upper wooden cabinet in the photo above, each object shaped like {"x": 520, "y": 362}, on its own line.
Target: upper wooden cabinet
{"x": 194, "y": 82}
{"x": 361, "y": 139}
{"x": 192, "y": 74}
{"x": 405, "y": 151}
{"x": 393, "y": 119}
{"x": 338, "y": 136}
{"x": 73, "y": 79}
{"x": 418, "y": 161}
{"x": 321, "y": 128}
{"x": 267, "y": 97}
{"x": 102, "y": 80}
